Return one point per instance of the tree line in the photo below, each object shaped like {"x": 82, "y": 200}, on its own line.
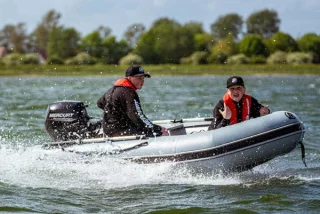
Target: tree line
{"x": 166, "y": 42}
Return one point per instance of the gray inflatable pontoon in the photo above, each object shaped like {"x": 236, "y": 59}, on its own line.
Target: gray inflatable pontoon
{"x": 233, "y": 148}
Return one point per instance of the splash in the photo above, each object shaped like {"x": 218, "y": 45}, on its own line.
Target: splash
{"x": 32, "y": 166}
{"x": 25, "y": 163}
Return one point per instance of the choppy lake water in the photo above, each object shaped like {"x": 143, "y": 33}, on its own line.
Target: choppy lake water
{"x": 36, "y": 181}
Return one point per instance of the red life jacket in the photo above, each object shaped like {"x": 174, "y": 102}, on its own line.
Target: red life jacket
{"x": 245, "y": 105}
{"x": 125, "y": 83}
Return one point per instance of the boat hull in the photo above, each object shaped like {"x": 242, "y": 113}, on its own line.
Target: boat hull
{"x": 233, "y": 148}
{"x": 245, "y": 158}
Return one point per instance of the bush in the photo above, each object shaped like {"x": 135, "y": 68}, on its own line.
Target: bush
{"x": 283, "y": 42}
{"x": 299, "y": 58}
{"x": 199, "y": 57}
{"x": 238, "y": 59}
{"x": 226, "y": 46}
{"x": 310, "y": 42}
{"x": 217, "y": 58}
{"x": 131, "y": 59}
{"x": 315, "y": 58}
{"x": 253, "y": 45}
{"x": 257, "y": 60}
{"x": 81, "y": 59}
{"x": 279, "y": 57}
{"x": 185, "y": 60}
{"x": 13, "y": 59}
{"x": 19, "y": 59}
{"x": 203, "y": 41}
{"x": 31, "y": 58}
{"x": 54, "y": 60}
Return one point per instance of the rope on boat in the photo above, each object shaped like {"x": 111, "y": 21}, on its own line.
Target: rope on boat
{"x": 303, "y": 155}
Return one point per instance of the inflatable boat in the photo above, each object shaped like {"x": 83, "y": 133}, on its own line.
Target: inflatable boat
{"x": 189, "y": 144}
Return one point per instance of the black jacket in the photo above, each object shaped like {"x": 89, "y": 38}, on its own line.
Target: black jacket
{"x": 219, "y": 121}
{"x": 123, "y": 114}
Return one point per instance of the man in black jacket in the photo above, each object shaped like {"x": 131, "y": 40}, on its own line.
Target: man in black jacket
{"x": 123, "y": 114}
{"x": 236, "y": 106}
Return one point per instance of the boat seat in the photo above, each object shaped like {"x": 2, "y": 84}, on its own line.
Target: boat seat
{"x": 177, "y": 130}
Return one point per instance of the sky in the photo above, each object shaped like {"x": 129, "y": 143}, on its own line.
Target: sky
{"x": 297, "y": 16}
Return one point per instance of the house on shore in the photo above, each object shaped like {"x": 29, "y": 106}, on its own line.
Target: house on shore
{"x": 3, "y": 51}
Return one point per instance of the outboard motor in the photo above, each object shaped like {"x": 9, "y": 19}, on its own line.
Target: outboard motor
{"x": 69, "y": 120}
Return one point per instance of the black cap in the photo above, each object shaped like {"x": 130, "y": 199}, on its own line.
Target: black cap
{"x": 136, "y": 70}
{"x": 234, "y": 80}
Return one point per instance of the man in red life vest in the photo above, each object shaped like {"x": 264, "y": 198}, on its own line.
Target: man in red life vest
{"x": 123, "y": 114}
{"x": 236, "y": 106}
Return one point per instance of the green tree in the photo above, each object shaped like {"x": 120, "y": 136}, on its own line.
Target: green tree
{"x": 185, "y": 42}
{"x": 253, "y": 45}
{"x": 203, "y": 42}
{"x": 166, "y": 42}
{"x": 40, "y": 36}
{"x": 133, "y": 33}
{"x": 310, "y": 42}
{"x": 92, "y": 44}
{"x": 223, "y": 49}
{"x": 194, "y": 27}
{"x": 145, "y": 47}
{"x": 264, "y": 23}
{"x": 228, "y": 24}
{"x": 55, "y": 47}
{"x": 104, "y": 31}
{"x": 70, "y": 41}
{"x": 63, "y": 43}
{"x": 113, "y": 51}
{"x": 282, "y": 42}
{"x": 14, "y": 38}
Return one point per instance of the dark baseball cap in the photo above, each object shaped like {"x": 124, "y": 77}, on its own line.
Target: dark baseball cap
{"x": 235, "y": 80}
{"x": 136, "y": 71}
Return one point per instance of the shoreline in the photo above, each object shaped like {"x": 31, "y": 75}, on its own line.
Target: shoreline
{"x": 162, "y": 70}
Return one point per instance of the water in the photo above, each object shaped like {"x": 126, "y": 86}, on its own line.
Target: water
{"x": 36, "y": 181}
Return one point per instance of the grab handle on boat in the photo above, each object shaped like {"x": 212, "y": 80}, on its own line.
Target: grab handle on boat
{"x": 303, "y": 153}
{"x": 88, "y": 141}
{"x": 111, "y": 152}
{"x": 200, "y": 119}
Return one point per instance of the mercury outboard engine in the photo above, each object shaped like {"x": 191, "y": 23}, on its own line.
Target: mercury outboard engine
{"x": 69, "y": 120}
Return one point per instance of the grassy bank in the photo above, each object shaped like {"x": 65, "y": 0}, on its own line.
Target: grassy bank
{"x": 159, "y": 70}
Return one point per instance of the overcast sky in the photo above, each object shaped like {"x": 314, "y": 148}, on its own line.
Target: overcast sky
{"x": 297, "y": 16}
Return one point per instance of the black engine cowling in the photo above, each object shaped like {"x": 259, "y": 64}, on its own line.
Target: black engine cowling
{"x": 68, "y": 120}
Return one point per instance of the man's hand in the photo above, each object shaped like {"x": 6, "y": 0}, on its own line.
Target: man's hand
{"x": 264, "y": 110}
{"x": 164, "y": 132}
{"x": 226, "y": 113}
